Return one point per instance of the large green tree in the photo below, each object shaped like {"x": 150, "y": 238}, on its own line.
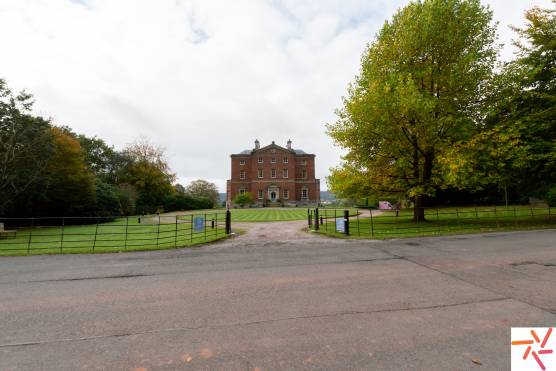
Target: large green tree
{"x": 25, "y": 146}
{"x": 67, "y": 185}
{"x": 149, "y": 173}
{"x": 420, "y": 89}
{"x": 516, "y": 148}
{"x": 203, "y": 188}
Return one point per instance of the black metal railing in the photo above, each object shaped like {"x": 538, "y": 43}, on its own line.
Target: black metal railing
{"x": 104, "y": 234}
{"x": 438, "y": 221}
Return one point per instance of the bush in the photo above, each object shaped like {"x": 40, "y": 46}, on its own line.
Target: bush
{"x": 243, "y": 199}
{"x": 551, "y": 197}
{"x": 180, "y": 201}
{"x": 107, "y": 200}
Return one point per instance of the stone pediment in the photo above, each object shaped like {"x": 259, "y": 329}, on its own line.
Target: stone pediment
{"x": 272, "y": 146}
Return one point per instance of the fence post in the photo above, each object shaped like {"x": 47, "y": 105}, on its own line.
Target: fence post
{"x": 228, "y": 222}
{"x": 346, "y": 222}
{"x": 95, "y": 239}
{"x": 309, "y": 219}
{"x": 317, "y": 219}
{"x": 357, "y": 216}
{"x": 205, "y": 225}
{"x": 158, "y": 231}
{"x": 176, "y": 233}
{"x": 126, "y": 225}
{"x": 62, "y": 237}
{"x": 372, "y": 226}
{"x": 30, "y": 236}
{"x": 438, "y": 222}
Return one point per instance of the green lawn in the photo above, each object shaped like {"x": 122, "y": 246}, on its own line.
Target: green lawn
{"x": 446, "y": 221}
{"x": 272, "y": 214}
{"x": 123, "y": 234}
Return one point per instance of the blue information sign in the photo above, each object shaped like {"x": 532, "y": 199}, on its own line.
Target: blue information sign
{"x": 198, "y": 223}
{"x": 340, "y": 226}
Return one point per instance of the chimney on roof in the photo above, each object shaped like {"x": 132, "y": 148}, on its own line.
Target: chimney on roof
{"x": 257, "y": 144}
{"x": 289, "y": 144}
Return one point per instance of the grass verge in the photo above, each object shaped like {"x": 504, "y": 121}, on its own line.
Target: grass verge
{"x": 445, "y": 221}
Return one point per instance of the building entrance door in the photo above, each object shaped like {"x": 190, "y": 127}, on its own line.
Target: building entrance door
{"x": 273, "y": 196}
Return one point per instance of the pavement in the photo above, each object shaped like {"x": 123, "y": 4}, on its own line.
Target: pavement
{"x": 278, "y": 298}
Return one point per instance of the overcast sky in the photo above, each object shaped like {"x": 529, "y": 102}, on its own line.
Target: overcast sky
{"x": 202, "y": 78}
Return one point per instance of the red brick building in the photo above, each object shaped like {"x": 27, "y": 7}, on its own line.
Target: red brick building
{"x": 275, "y": 176}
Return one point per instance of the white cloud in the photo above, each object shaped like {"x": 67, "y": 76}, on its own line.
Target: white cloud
{"x": 202, "y": 78}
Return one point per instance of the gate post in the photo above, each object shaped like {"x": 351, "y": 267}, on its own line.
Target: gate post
{"x": 316, "y": 219}
{"x": 346, "y": 222}
{"x": 228, "y": 222}
{"x": 309, "y": 220}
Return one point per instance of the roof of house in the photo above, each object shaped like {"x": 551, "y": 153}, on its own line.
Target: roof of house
{"x": 250, "y": 151}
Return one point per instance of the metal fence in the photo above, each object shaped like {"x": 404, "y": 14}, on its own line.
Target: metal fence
{"x": 438, "y": 221}
{"x": 103, "y": 234}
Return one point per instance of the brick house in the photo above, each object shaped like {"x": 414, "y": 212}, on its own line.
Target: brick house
{"x": 275, "y": 176}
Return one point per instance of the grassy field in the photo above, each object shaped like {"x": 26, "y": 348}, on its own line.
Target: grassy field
{"x": 270, "y": 214}
{"x": 123, "y": 234}
{"x": 446, "y": 221}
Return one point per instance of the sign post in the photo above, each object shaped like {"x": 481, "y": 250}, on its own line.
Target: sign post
{"x": 346, "y": 222}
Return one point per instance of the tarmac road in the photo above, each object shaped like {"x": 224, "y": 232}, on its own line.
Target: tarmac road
{"x": 279, "y": 299}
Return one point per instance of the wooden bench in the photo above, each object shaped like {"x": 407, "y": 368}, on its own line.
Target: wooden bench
{"x": 4, "y": 234}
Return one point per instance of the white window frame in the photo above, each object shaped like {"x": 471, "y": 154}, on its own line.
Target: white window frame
{"x": 260, "y": 194}
{"x": 273, "y": 160}
{"x": 242, "y": 162}
{"x": 306, "y": 196}
{"x": 285, "y": 173}
{"x": 260, "y": 173}
{"x": 273, "y": 173}
{"x": 241, "y": 191}
{"x": 303, "y": 174}
{"x": 260, "y": 160}
{"x": 242, "y": 174}
{"x": 286, "y": 194}
{"x": 285, "y": 160}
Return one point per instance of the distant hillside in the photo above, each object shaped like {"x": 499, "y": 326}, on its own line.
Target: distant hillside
{"x": 327, "y": 196}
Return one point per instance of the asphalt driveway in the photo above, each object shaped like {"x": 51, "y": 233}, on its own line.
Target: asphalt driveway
{"x": 280, "y": 299}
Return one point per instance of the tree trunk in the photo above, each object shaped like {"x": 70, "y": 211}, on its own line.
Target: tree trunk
{"x": 419, "y": 209}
